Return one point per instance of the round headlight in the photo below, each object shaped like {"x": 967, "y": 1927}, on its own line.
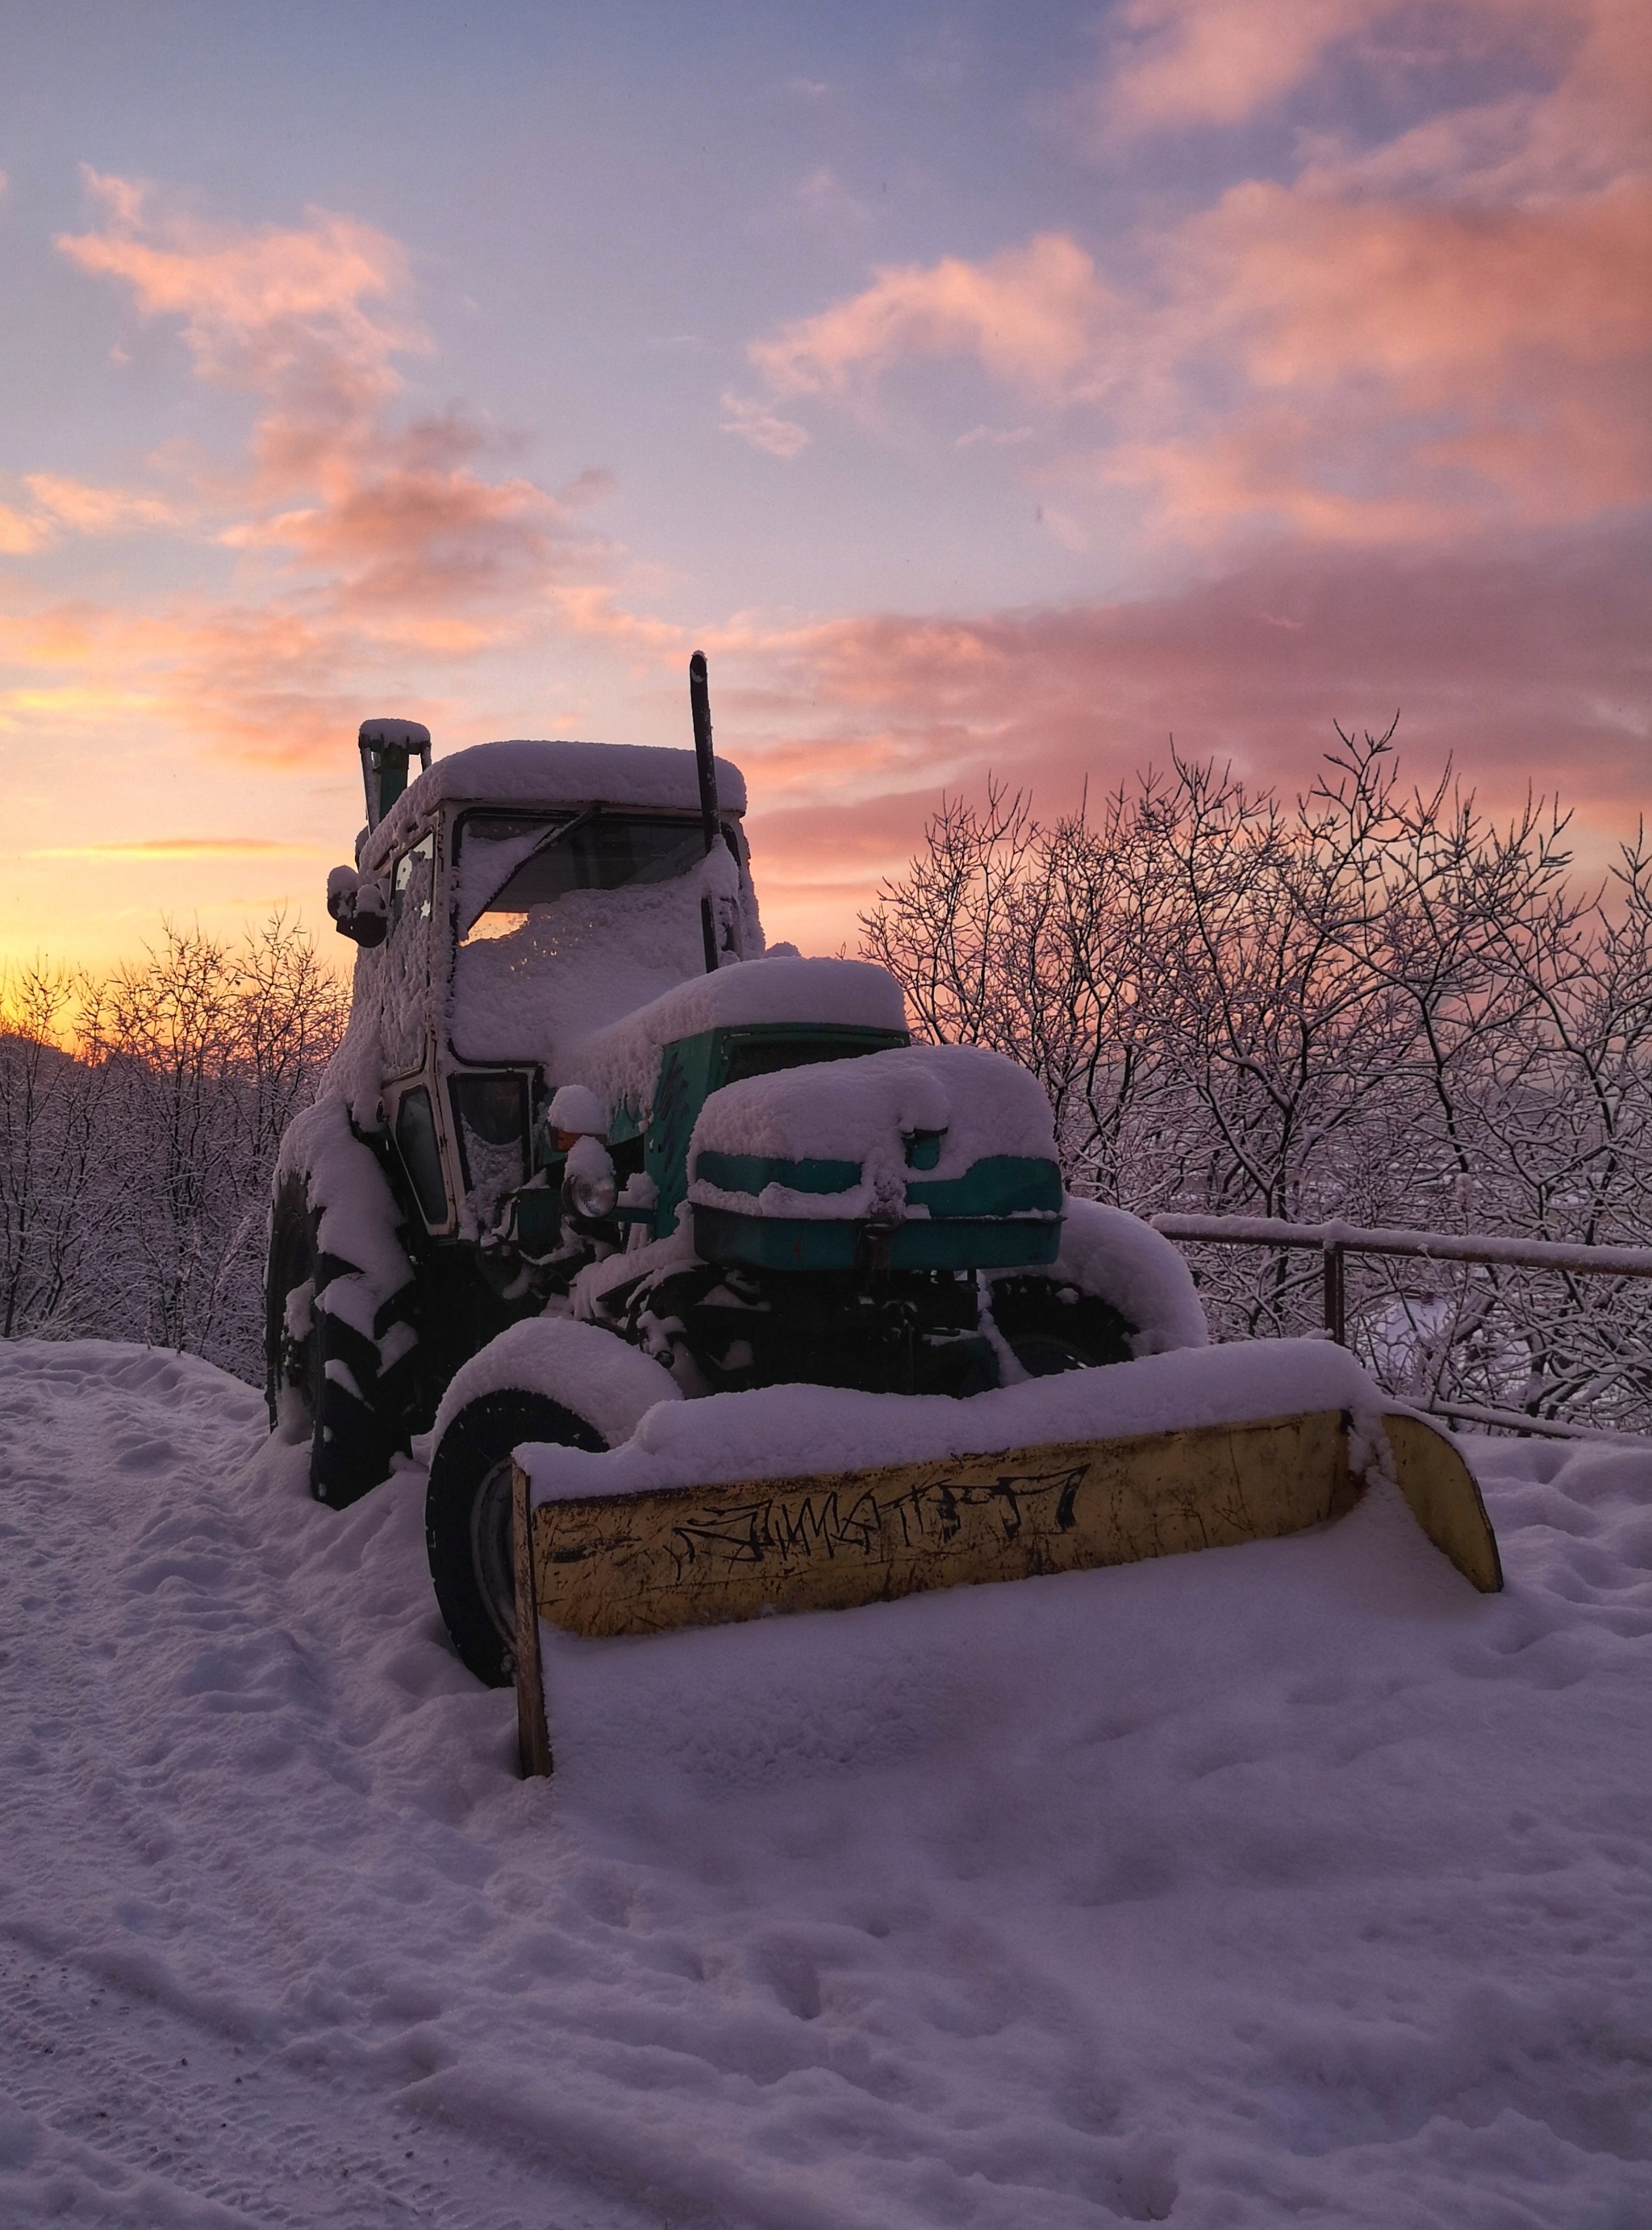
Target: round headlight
{"x": 589, "y": 1186}
{"x": 594, "y": 1196}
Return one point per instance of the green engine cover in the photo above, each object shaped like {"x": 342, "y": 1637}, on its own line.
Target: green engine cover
{"x": 1004, "y": 1212}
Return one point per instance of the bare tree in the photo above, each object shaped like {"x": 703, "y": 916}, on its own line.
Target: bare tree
{"x": 1372, "y": 1004}
{"x": 206, "y": 1050}
{"x": 50, "y": 1136}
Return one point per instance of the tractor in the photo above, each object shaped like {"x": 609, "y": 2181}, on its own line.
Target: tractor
{"x": 577, "y": 1090}
{"x": 589, "y": 1147}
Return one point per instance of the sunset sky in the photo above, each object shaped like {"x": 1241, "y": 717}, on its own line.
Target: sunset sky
{"x": 982, "y": 387}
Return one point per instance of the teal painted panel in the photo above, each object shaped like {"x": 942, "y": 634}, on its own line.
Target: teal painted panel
{"x": 751, "y": 1172}
{"x": 690, "y": 1069}
{"x": 624, "y": 1124}
{"x": 999, "y": 1185}
{"x": 773, "y": 1242}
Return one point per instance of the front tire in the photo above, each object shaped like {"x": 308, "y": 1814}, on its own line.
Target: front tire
{"x": 547, "y": 1378}
{"x": 467, "y": 1519}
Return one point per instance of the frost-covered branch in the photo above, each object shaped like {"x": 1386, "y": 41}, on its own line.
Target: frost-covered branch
{"x": 1374, "y": 1003}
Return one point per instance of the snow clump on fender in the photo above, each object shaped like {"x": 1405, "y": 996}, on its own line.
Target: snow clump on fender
{"x": 1120, "y": 1259}
{"x": 598, "y": 1375}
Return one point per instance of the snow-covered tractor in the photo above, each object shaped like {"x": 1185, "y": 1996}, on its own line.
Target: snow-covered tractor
{"x": 589, "y": 1147}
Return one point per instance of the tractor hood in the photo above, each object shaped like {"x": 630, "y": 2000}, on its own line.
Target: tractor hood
{"x": 948, "y": 1149}
{"x": 621, "y": 1064}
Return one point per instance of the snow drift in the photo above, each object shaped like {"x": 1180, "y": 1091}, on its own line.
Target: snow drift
{"x": 1295, "y": 1882}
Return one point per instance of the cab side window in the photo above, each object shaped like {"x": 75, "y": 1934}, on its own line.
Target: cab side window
{"x": 410, "y": 884}
{"x": 415, "y": 1137}
{"x": 403, "y": 1019}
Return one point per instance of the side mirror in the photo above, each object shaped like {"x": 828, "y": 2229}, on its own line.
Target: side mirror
{"x": 356, "y": 903}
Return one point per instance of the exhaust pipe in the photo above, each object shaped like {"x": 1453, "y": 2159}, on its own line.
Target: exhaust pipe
{"x": 385, "y": 746}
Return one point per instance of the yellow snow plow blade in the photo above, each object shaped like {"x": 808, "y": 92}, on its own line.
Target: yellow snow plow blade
{"x": 604, "y": 1565}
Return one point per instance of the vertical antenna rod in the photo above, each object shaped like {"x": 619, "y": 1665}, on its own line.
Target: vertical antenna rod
{"x": 699, "y": 701}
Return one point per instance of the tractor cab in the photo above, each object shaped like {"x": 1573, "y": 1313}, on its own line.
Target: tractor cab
{"x": 507, "y": 902}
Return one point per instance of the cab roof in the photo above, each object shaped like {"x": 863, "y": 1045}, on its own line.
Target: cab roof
{"x": 522, "y": 774}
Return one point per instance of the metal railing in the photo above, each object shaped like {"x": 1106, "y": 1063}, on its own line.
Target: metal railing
{"x": 1335, "y": 1242}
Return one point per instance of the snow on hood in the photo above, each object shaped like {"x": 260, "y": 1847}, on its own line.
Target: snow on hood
{"x": 621, "y": 1063}
{"x": 558, "y": 774}
{"x": 864, "y": 1110}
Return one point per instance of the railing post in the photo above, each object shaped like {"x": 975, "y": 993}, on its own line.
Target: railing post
{"x": 1336, "y": 1312}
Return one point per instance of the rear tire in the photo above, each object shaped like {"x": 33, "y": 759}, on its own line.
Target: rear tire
{"x": 467, "y": 1519}
{"x": 321, "y": 1374}
{"x": 289, "y": 1309}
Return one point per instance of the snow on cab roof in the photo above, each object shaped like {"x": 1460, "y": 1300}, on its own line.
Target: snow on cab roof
{"x": 520, "y": 773}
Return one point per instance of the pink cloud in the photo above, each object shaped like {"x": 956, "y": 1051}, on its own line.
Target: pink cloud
{"x": 754, "y": 421}
{"x": 1171, "y": 64}
{"x": 269, "y": 308}
{"x": 56, "y": 505}
{"x": 1412, "y": 340}
{"x": 19, "y": 533}
{"x": 82, "y": 509}
{"x": 1426, "y": 299}
{"x": 1529, "y": 667}
{"x": 1216, "y": 61}
{"x": 361, "y": 537}
{"x": 1329, "y": 356}
{"x": 1266, "y": 465}
{"x": 310, "y": 319}
{"x": 1408, "y": 370}
{"x": 1032, "y": 316}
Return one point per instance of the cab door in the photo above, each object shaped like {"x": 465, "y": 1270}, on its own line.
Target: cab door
{"x": 407, "y": 1034}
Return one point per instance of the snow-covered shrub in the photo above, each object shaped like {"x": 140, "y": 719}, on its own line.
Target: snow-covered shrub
{"x": 1371, "y": 1003}
{"x": 52, "y": 1157}
{"x": 135, "y": 1167}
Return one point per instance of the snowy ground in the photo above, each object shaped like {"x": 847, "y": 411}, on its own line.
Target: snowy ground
{"x": 1290, "y": 1883}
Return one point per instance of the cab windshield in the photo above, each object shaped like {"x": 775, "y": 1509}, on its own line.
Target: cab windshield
{"x": 512, "y": 868}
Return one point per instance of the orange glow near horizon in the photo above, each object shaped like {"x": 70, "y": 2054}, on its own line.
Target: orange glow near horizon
{"x": 1329, "y": 418}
